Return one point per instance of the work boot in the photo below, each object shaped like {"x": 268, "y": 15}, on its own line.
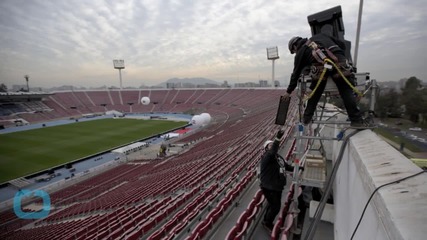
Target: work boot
{"x": 361, "y": 124}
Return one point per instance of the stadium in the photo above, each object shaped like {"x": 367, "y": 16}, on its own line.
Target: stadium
{"x": 184, "y": 163}
{"x": 189, "y": 194}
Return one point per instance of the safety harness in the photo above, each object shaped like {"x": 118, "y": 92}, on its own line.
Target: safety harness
{"x": 318, "y": 53}
{"x": 329, "y": 61}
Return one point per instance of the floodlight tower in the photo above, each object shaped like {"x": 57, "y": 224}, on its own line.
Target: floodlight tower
{"x": 26, "y": 79}
{"x": 119, "y": 64}
{"x": 272, "y": 54}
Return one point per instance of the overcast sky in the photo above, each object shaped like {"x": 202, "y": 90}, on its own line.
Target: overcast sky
{"x": 73, "y": 42}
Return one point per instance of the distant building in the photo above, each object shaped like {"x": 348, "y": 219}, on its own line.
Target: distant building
{"x": 171, "y": 85}
{"x": 208, "y": 85}
{"x": 263, "y": 83}
{"x": 16, "y": 88}
{"x": 225, "y": 84}
{"x": 246, "y": 84}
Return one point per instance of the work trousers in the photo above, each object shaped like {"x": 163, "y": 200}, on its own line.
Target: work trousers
{"x": 274, "y": 200}
{"x": 346, "y": 94}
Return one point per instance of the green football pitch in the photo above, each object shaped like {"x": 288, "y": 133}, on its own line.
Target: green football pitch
{"x": 26, "y": 152}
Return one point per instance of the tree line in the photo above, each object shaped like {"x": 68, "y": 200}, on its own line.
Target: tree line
{"x": 3, "y": 87}
{"x": 410, "y": 103}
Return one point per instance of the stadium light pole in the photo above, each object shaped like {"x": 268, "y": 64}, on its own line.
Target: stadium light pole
{"x": 26, "y": 79}
{"x": 272, "y": 54}
{"x": 119, "y": 64}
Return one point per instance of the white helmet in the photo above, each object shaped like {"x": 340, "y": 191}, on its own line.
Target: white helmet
{"x": 266, "y": 144}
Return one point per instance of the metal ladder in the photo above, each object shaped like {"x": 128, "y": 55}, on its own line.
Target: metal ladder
{"x": 309, "y": 154}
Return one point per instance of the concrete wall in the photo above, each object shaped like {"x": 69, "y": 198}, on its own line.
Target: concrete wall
{"x": 397, "y": 211}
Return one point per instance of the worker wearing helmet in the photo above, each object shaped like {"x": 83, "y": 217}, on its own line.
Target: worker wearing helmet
{"x": 305, "y": 58}
{"x": 272, "y": 180}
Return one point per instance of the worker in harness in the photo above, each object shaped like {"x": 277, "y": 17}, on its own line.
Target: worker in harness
{"x": 272, "y": 179}
{"x": 319, "y": 52}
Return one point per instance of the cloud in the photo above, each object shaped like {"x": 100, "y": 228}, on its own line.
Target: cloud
{"x": 74, "y": 42}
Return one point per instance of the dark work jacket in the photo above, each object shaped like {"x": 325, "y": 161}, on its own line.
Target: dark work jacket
{"x": 304, "y": 57}
{"x": 270, "y": 175}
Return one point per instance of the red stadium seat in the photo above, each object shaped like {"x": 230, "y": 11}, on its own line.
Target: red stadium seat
{"x": 135, "y": 235}
{"x": 232, "y": 233}
{"x": 116, "y": 234}
{"x": 157, "y": 235}
{"x": 242, "y": 232}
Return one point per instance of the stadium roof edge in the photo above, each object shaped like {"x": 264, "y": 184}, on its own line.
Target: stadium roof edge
{"x": 13, "y": 96}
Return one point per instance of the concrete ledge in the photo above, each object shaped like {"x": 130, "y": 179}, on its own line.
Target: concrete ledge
{"x": 397, "y": 211}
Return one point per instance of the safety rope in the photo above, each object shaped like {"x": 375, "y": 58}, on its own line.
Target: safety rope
{"x": 325, "y": 61}
{"x": 317, "y": 85}
{"x": 345, "y": 79}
